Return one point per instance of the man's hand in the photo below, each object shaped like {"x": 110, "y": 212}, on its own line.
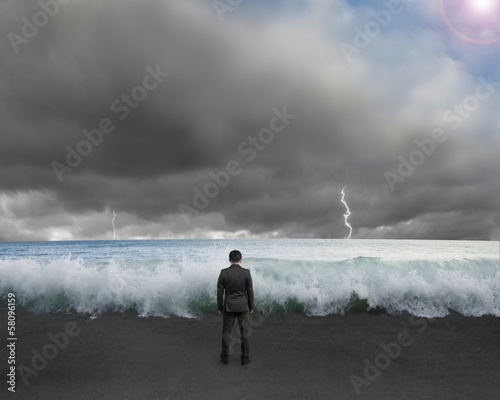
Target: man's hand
{"x": 251, "y": 311}
{"x": 220, "y": 312}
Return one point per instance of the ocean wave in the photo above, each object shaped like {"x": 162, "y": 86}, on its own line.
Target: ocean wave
{"x": 187, "y": 287}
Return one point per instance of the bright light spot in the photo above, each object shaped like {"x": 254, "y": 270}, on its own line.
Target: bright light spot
{"x": 482, "y": 6}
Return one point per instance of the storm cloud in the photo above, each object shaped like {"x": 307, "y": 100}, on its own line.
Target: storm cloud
{"x": 137, "y": 105}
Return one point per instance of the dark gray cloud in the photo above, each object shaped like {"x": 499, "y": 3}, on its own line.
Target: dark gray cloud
{"x": 226, "y": 82}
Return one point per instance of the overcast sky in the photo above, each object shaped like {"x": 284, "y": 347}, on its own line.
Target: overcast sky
{"x": 213, "y": 119}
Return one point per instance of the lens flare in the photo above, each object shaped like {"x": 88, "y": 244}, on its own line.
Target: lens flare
{"x": 482, "y": 6}
{"x": 475, "y": 21}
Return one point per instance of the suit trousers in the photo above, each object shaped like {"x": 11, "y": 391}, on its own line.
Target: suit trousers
{"x": 227, "y": 327}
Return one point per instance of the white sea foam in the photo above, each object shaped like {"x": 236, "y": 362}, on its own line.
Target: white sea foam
{"x": 293, "y": 280}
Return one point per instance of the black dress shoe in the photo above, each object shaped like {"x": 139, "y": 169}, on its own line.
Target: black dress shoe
{"x": 245, "y": 362}
{"x": 225, "y": 362}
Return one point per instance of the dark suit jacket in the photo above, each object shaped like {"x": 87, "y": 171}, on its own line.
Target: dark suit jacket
{"x": 237, "y": 283}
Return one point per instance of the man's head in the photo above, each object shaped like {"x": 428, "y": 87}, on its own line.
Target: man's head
{"x": 235, "y": 257}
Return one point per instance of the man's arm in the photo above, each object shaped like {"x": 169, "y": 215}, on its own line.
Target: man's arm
{"x": 249, "y": 289}
{"x": 220, "y": 293}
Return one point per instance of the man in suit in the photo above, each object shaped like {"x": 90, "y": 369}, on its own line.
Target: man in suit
{"x": 235, "y": 300}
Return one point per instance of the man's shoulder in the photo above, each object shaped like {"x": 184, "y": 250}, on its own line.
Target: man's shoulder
{"x": 243, "y": 269}
{"x": 239, "y": 267}
{"x": 246, "y": 271}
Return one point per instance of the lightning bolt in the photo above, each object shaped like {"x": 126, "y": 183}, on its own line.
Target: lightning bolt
{"x": 346, "y": 215}
{"x": 113, "y": 223}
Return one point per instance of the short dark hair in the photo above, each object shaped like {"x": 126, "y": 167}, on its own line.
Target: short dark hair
{"x": 235, "y": 256}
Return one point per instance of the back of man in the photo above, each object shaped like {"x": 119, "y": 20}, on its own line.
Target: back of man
{"x": 235, "y": 300}
{"x": 236, "y": 282}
